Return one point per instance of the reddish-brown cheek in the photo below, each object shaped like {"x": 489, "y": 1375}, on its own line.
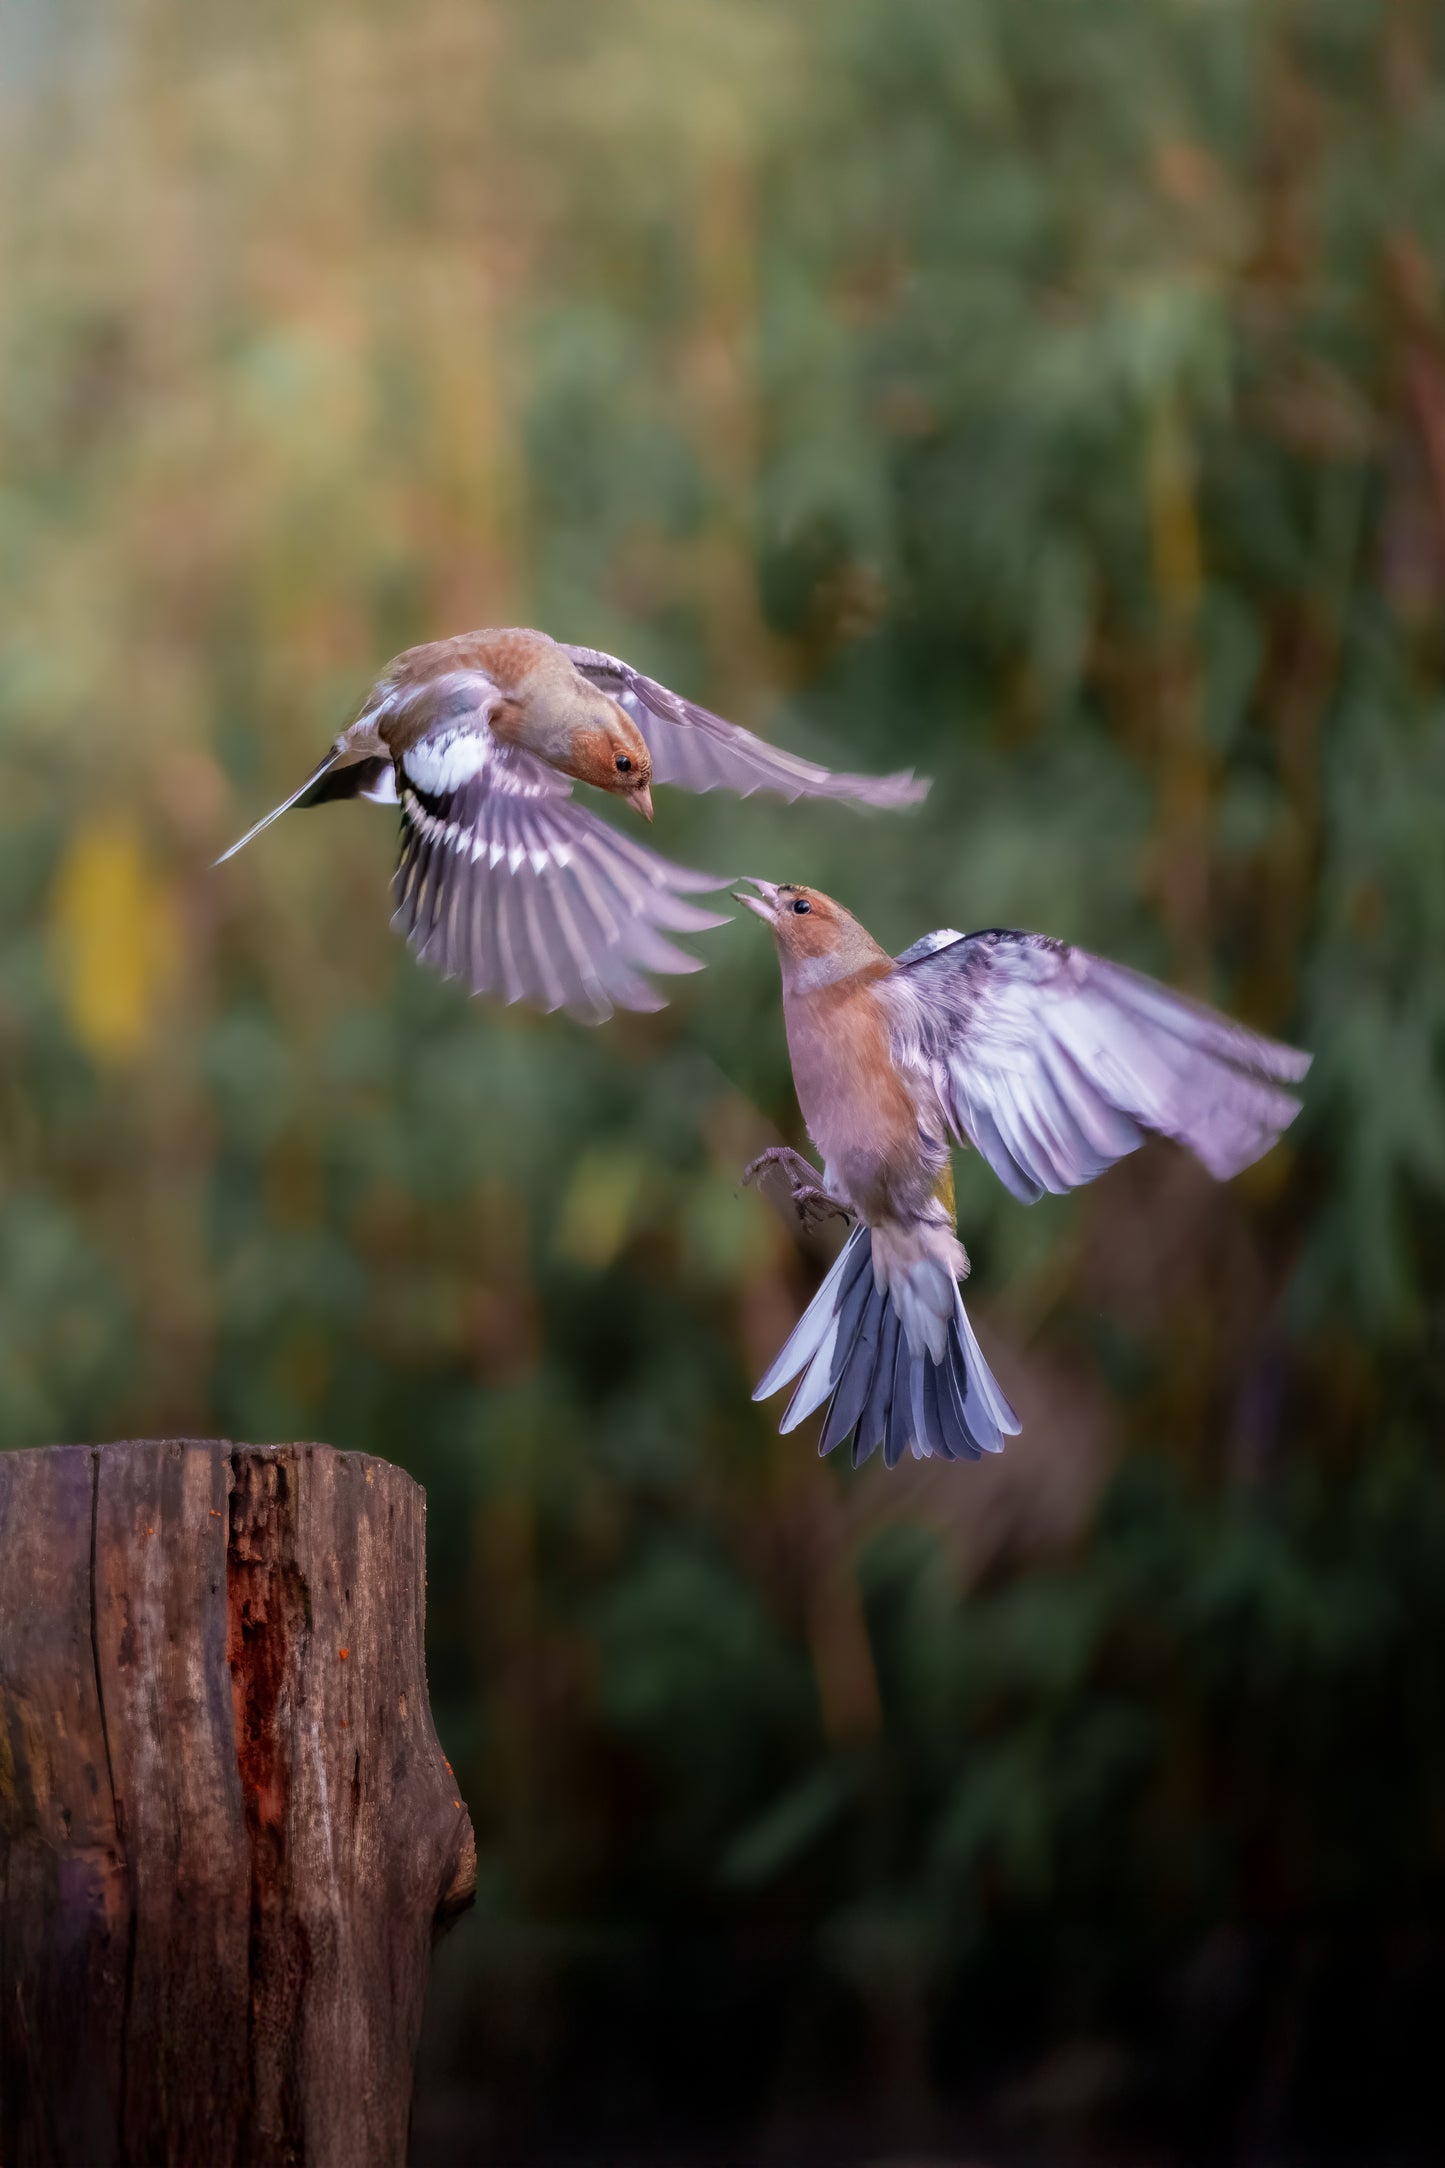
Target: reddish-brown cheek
{"x": 807, "y": 933}
{"x": 594, "y": 757}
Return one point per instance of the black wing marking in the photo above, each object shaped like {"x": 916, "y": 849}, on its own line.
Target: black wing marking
{"x": 447, "y": 719}
{"x": 699, "y": 751}
{"x": 1054, "y": 1063}
{"x": 506, "y": 882}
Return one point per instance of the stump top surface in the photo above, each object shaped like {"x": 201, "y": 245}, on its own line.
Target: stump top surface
{"x": 343, "y": 1455}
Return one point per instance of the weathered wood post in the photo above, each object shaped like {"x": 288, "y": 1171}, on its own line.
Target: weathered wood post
{"x": 227, "y": 1830}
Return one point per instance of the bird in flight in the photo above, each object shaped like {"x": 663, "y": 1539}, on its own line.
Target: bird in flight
{"x": 1052, "y": 1063}
{"x": 504, "y": 880}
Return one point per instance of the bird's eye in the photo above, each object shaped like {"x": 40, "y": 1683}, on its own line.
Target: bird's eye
{"x": 802, "y": 905}
{"x": 623, "y": 764}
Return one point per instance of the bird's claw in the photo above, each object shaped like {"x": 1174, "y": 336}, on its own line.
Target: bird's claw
{"x": 814, "y": 1205}
{"x": 799, "y": 1170}
{"x": 811, "y": 1202}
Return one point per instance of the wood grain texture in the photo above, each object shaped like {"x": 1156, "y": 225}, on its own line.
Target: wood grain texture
{"x": 227, "y": 1830}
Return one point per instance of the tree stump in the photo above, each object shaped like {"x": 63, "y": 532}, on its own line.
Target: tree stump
{"x": 227, "y": 1829}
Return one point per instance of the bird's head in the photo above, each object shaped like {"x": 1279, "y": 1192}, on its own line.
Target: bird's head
{"x": 818, "y": 941}
{"x": 606, "y": 748}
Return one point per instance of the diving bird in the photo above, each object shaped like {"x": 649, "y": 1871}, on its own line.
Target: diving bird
{"x": 503, "y": 879}
{"x": 1052, "y": 1063}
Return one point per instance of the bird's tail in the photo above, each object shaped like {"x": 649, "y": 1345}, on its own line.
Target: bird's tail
{"x": 330, "y": 778}
{"x": 887, "y": 1344}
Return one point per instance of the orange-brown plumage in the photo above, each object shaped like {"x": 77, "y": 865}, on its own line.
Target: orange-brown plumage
{"x": 538, "y": 701}
{"x": 861, "y": 1110}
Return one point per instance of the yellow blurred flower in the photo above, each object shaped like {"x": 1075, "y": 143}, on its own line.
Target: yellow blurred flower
{"x": 600, "y": 1206}
{"x": 113, "y": 921}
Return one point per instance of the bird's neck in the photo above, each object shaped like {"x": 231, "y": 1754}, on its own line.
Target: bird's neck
{"x": 856, "y": 956}
{"x": 542, "y": 720}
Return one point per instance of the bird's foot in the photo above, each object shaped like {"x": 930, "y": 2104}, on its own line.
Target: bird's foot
{"x": 797, "y": 1169}
{"x": 811, "y": 1202}
{"x": 814, "y": 1205}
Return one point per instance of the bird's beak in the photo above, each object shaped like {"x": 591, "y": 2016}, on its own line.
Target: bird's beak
{"x": 642, "y": 799}
{"x": 764, "y": 904}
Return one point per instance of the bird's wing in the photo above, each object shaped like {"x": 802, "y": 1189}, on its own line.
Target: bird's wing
{"x": 506, "y": 882}
{"x": 1053, "y": 1062}
{"x": 699, "y": 751}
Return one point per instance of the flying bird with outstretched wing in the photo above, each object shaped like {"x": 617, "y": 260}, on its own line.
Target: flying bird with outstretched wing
{"x": 504, "y": 879}
{"x": 1052, "y": 1063}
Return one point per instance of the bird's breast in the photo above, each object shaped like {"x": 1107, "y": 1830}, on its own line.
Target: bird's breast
{"x": 857, "y": 1105}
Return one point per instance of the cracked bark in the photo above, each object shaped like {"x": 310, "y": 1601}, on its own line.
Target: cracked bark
{"x": 227, "y": 1830}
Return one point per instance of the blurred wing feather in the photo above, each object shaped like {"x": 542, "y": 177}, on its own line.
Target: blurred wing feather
{"x": 1054, "y": 1063}
{"x": 699, "y": 751}
{"x": 507, "y": 883}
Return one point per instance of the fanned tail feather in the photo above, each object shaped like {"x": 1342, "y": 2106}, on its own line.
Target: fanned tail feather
{"x": 849, "y": 1351}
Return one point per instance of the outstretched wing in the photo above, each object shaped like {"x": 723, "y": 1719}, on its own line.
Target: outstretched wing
{"x": 505, "y": 882}
{"x": 699, "y": 751}
{"x": 1054, "y": 1063}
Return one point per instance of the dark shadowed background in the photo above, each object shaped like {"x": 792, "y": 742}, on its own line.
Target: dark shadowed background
{"x": 1053, "y": 396}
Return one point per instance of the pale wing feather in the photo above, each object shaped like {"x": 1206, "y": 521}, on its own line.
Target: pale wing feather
{"x": 700, "y": 751}
{"x": 506, "y": 882}
{"x": 1054, "y": 1063}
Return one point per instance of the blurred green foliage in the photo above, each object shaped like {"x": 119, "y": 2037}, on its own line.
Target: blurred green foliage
{"x": 1053, "y": 397}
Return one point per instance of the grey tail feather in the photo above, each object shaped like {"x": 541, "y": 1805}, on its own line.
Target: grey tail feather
{"x": 327, "y": 780}
{"x": 852, "y": 1355}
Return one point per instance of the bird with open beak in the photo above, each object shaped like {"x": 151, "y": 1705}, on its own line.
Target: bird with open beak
{"x": 503, "y": 879}
{"x": 1052, "y": 1063}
